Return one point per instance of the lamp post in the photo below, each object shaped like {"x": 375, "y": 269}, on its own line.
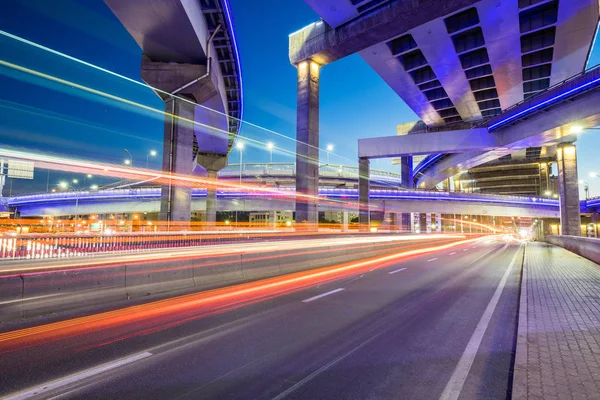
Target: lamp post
{"x": 586, "y": 188}
{"x": 329, "y": 149}
{"x": 65, "y": 185}
{"x": 130, "y": 160}
{"x": 152, "y": 153}
{"x": 270, "y": 147}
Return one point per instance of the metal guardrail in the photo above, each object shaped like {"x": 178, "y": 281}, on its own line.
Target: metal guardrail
{"x": 52, "y": 246}
{"x": 279, "y": 169}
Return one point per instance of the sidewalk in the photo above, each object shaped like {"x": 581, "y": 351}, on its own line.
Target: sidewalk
{"x": 558, "y": 343}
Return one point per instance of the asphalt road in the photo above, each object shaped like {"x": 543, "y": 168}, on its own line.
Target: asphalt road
{"x": 436, "y": 326}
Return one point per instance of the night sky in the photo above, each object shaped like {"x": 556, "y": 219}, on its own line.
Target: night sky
{"x": 36, "y": 114}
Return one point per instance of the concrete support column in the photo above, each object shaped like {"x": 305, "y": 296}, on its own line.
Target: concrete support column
{"x": 307, "y": 145}
{"x": 428, "y": 222}
{"x": 394, "y": 223}
{"x": 406, "y": 172}
{"x": 544, "y": 178}
{"x": 213, "y": 163}
{"x": 345, "y": 221}
{"x": 595, "y": 221}
{"x": 416, "y": 222}
{"x": 364, "y": 215}
{"x": 175, "y": 199}
{"x": 405, "y": 222}
{"x": 272, "y": 219}
{"x": 211, "y": 201}
{"x": 568, "y": 189}
{"x": 438, "y": 222}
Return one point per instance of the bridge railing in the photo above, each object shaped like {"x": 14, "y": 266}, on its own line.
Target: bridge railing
{"x": 51, "y": 246}
{"x": 576, "y": 84}
{"x": 289, "y": 169}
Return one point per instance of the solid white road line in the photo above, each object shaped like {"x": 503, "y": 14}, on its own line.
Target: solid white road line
{"x": 453, "y": 253}
{"x": 322, "y": 295}
{"x": 398, "y": 270}
{"x": 433, "y": 259}
{"x": 459, "y": 376}
{"x": 45, "y": 388}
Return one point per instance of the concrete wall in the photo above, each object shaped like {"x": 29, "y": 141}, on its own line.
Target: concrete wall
{"x": 29, "y": 294}
{"x": 585, "y": 247}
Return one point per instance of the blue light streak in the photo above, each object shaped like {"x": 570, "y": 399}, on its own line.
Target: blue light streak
{"x": 286, "y": 193}
{"x": 237, "y": 57}
{"x": 543, "y": 103}
{"x": 427, "y": 162}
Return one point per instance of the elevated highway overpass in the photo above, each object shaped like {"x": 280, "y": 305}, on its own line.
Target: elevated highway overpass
{"x": 460, "y": 66}
{"x": 141, "y": 200}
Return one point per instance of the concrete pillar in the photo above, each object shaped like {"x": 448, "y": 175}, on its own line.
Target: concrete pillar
{"x": 406, "y": 172}
{"x": 175, "y": 199}
{"x": 568, "y": 189}
{"x": 416, "y": 222}
{"x": 595, "y": 221}
{"x": 211, "y": 201}
{"x": 428, "y": 222}
{"x": 364, "y": 215}
{"x": 179, "y": 134}
{"x": 272, "y": 219}
{"x": 438, "y": 222}
{"x": 345, "y": 221}
{"x": 405, "y": 222}
{"x": 213, "y": 163}
{"x": 307, "y": 145}
{"x": 394, "y": 222}
{"x": 544, "y": 179}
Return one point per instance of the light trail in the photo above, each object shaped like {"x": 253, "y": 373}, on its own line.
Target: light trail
{"x": 85, "y": 167}
{"x": 142, "y": 84}
{"x": 469, "y": 222}
{"x": 198, "y": 305}
{"x": 358, "y": 243}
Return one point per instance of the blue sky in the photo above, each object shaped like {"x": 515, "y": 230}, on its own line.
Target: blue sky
{"x": 38, "y": 115}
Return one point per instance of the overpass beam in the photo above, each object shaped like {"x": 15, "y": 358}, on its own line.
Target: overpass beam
{"x": 568, "y": 189}
{"x": 406, "y": 172}
{"x": 364, "y": 214}
{"x": 307, "y": 145}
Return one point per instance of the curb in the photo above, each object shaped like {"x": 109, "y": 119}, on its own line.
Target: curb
{"x": 520, "y": 379}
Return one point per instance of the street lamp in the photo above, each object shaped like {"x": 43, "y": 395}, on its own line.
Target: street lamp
{"x": 329, "y": 149}
{"x": 240, "y": 147}
{"x": 586, "y": 188}
{"x": 270, "y": 147}
{"x": 152, "y": 153}
{"x": 130, "y": 160}
{"x": 65, "y": 185}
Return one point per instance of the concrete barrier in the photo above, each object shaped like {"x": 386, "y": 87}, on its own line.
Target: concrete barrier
{"x": 583, "y": 246}
{"x": 30, "y": 293}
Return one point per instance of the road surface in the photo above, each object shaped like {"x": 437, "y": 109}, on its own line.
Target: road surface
{"x": 440, "y": 325}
